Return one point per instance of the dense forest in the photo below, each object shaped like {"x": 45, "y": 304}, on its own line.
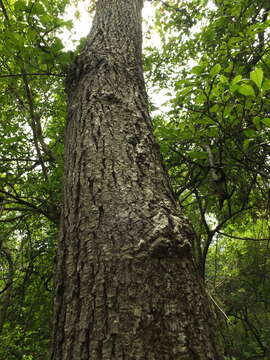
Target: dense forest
{"x": 212, "y": 67}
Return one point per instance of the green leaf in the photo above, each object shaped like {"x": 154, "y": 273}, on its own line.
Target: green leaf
{"x": 236, "y": 79}
{"x": 250, "y": 133}
{"x": 257, "y": 76}
{"x": 179, "y": 84}
{"x": 68, "y": 24}
{"x": 20, "y": 5}
{"x": 215, "y": 70}
{"x": 214, "y": 108}
{"x": 197, "y": 70}
{"x": 256, "y": 121}
{"x": 212, "y": 131}
{"x": 266, "y": 84}
{"x": 31, "y": 34}
{"x": 246, "y": 143}
{"x": 246, "y": 90}
{"x": 266, "y": 121}
{"x": 77, "y": 14}
{"x": 198, "y": 154}
{"x": 206, "y": 121}
{"x": 57, "y": 45}
{"x": 234, "y": 88}
{"x": 229, "y": 68}
{"x": 215, "y": 92}
{"x": 38, "y": 9}
{"x": 185, "y": 91}
{"x": 200, "y": 99}
{"x": 223, "y": 79}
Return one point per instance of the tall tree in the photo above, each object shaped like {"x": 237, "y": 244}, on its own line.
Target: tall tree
{"x": 126, "y": 283}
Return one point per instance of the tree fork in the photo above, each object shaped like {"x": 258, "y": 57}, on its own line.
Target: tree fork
{"x": 126, "y": 285}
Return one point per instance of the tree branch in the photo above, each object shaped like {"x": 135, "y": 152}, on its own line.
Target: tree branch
{"x": 36, "y": 128}
{"x": 242, "y": 238}
{"x": 4, "y": 10}
{"x": 49, "y": 215}
{"x": 31, "y": 74}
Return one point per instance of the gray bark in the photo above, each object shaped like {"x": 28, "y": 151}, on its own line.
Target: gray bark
{"x": 126, "y": 285}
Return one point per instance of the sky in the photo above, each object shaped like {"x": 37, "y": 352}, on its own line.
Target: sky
{"x": 82, "y": 23}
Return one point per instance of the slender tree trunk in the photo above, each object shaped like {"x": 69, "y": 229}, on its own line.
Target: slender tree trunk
{"x": 126, "y": 284}
{"x": 6, "y": 293}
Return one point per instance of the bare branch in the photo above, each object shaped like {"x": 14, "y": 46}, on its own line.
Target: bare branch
{"x": 31, "y": 74}
{"x": 242, "y": 238}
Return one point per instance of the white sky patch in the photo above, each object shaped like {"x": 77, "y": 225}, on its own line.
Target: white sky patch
{"x": 211, "y": 5}
{"x": 150, "y": 38}
{"x": 82, "y": 22}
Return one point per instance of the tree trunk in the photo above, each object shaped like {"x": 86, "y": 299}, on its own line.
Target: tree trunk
{"x": 126, "y": 284}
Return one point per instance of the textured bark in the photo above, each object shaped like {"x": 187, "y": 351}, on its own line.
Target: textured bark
{"x": 126, "y": 283}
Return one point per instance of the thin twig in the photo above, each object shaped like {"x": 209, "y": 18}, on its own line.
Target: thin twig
{"x": 31, "y": 74}
{"x": 242, "y": 238}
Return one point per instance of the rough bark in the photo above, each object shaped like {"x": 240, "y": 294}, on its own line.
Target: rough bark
{"x": 126, "y": 283}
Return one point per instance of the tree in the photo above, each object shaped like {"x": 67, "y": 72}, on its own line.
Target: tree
{"x": 126, "y": 283}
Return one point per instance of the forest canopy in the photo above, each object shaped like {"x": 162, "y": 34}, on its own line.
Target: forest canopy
{"x": 212, "y": 64}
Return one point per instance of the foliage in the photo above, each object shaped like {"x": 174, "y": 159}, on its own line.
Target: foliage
{"x": 238, "y": 275}
{"x": 215, "y": 141}
{"x": 33, "y": 64}
{"x": 27, "y": 324}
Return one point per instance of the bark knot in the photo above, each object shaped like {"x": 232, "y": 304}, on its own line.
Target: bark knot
{"x": 161, "y": 247}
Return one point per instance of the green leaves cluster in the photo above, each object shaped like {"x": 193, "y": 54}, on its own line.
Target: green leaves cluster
{"x": 216, "y": 143}
{"x": 33, "y": 65}
{"x": 238, "y": 271}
